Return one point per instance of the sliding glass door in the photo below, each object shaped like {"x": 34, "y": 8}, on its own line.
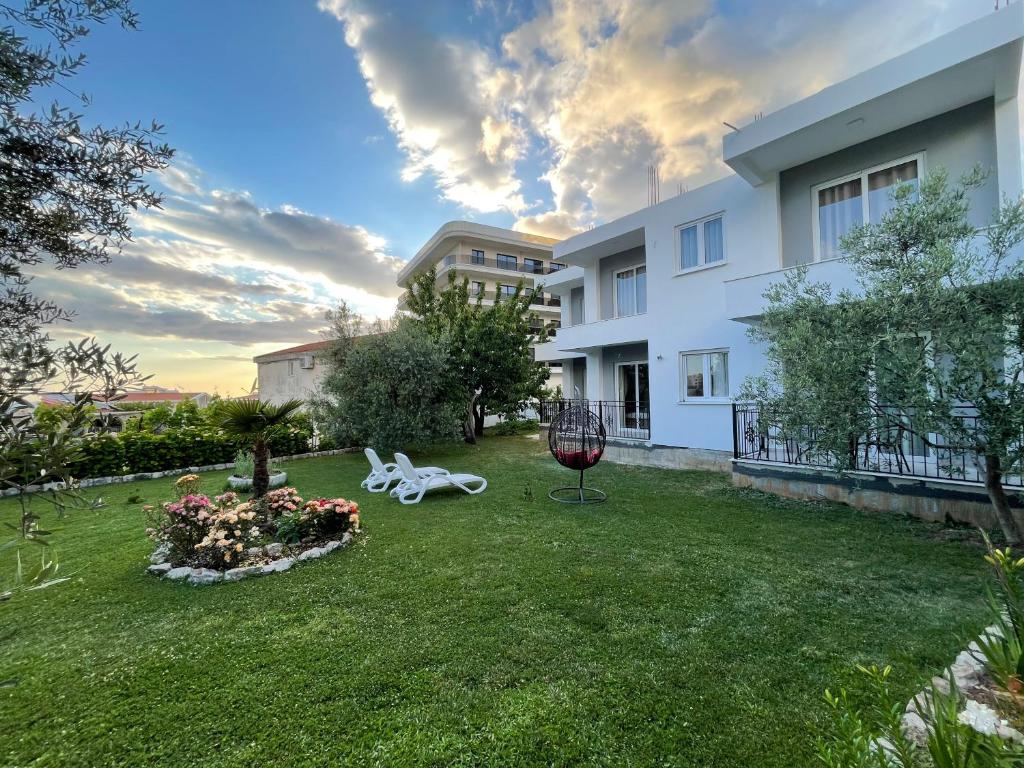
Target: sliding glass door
{"x": 634, "y": 397}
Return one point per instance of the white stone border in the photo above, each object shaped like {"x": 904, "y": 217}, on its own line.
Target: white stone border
{"x": 966, "y": 672}
{"x": 202, "y": 576}
{"x": 138, "y": 476}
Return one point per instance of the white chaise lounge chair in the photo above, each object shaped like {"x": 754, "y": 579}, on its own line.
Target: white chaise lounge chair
{"x": 413, "y": 485}
{"x": 382, "y": 475}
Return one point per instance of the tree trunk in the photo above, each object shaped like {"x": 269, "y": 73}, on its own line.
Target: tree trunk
{"x": 260, "y": 471}
{"x": 997, "y": 495}
{"x": 468, "y": 426}
{"x": 478, "y": 426}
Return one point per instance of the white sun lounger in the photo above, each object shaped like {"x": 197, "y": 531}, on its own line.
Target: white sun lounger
{"x": 382, "y": 475}
{"x": 413, "y": 485}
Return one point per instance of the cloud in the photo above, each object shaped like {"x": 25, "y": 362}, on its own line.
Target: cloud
{"x": 213, "y": 266}
{"x": 243, "y": 233}
{"x": 100, "y": 309}
{"x": 443, "y": 101}
{"x": 594, "y": 91}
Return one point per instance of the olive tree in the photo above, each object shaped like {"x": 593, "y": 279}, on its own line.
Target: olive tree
{"x": 67, "y": 190}
{"x": 926, "y": 355}
{"x": 491, "y": 346}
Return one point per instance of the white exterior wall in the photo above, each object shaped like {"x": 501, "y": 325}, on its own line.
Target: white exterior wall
{"x": 712, "y": 308}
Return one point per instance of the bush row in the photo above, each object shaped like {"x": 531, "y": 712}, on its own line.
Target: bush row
{"x": 128, "y": 452}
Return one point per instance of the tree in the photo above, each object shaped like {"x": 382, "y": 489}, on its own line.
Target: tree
{"x": 491, "y": 346}
{"x": 258, "y": 421}
{"x": 66, "y": 193}
{"x": 392, "y": 390}
{"x": 927, "y": 354}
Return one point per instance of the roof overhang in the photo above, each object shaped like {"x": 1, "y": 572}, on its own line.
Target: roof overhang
{"x": 976, "y": 61}
{"x": 587, "y": 248}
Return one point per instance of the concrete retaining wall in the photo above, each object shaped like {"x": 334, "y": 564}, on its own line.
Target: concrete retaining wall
{"x": 666, "y": 456}
{"x": 932, "y": 500}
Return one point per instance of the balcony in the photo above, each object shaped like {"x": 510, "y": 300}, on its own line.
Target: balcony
{"x": 572, "y": 339}
{"x": 622, "y": 420}
{"x": 453, "y": 259}
{"x": 744, "y": 296}
{"x": 892, "y": 444}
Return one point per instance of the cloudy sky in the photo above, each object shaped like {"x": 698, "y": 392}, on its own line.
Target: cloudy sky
{"x": 321, "y": 143}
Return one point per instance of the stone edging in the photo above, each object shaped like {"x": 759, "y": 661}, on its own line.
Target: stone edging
{"x": 94, "y": 481}
{"x": 202, "y": 576}
{"x": 967, "y": 673}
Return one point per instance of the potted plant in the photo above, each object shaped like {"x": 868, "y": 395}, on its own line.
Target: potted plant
{"x": 245, "y": 465}
{"x": 257, "y": 421}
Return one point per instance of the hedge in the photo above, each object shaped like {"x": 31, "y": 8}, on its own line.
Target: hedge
{"x": 129, "y": 452}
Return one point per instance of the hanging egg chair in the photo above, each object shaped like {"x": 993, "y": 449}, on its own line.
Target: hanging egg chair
{"x": 576, "y": 438}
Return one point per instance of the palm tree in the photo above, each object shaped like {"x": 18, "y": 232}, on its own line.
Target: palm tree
{"x": 256, "y": 420}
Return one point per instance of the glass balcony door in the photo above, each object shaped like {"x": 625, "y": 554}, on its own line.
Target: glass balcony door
{"x": 634, "y": 398}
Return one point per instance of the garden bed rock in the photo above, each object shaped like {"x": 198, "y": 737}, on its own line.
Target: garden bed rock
{"x": 260, "y": 561}
{"x": 968, "y": 674}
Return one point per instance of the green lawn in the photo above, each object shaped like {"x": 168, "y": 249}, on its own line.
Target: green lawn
{"x": 682, "y": 623}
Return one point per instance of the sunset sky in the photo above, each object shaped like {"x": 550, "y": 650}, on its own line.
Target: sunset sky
{"x": 319, "y": 145}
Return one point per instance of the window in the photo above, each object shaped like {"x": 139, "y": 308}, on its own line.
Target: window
{"x": 846, "y": 203}
{"x": 477, "y": 257}
{"x": 534, "y": 266}
{"x": 630, "y": 295}
{"x": 507, "y": 262}
{"x": 701, "y": 243}
{"x": 704, "y": 375}
{"x": 291, "y": 367}
{"x": 507, "y": 290}
{"x": 555, "y": 266}
{"x": 476, "y": 288}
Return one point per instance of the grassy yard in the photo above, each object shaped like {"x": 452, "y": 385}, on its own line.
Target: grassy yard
{"x": 682, "y": 623}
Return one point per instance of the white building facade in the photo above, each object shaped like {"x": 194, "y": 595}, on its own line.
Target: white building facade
{"x": 656, "y": 305}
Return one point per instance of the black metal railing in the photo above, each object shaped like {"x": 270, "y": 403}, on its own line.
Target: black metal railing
{"x": 511, "y": 266}
{"x": 627, "y": 420}
{"x": 894, "y": 444}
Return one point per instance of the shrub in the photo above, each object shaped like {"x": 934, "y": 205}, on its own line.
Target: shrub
{"x": 509, "y": 427}
{"x": 326, "y": 518}
{"x": 104, "y": 455}
{"x": 244, "y": 464}
{"x": 199, "y": 531}
{"x": 231, "y": 530}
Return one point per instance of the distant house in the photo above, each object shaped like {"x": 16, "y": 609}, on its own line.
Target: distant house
{"x": 144, "y": 397}
{"x": 132, "y": 404}
{"x": 292, "y": 373}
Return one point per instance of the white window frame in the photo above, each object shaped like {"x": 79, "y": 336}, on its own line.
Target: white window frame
{"x": 702, "y": 264}
{"x": 615, "y": 293}
{"x": 863, "y": 176}
{"x": 291, "y": 367}
{"x": 706, "y": 357}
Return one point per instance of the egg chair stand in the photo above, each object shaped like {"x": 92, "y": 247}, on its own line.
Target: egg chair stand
{"x": 581, "y": 494}
{"x": 576, "y": 439}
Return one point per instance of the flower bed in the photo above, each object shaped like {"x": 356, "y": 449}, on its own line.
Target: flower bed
{"x": 208, "y": 540}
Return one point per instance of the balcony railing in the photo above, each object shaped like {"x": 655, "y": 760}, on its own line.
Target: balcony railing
{"x": 626, "y": 420}
{"x": 894, "y": 445}
{"x": 511, "y": 266}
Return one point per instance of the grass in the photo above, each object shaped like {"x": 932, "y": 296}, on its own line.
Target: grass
{"x": 682, "y": 623}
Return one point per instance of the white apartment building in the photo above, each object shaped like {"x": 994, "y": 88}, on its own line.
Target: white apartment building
{"x": 494, "y": 261}
{"x": 656, "y": 305}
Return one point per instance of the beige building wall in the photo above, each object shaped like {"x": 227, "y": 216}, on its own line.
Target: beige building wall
{"x": 282, "y": 377}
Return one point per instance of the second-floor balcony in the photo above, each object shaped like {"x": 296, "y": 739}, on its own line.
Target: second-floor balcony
{"x": 507, "y": 263}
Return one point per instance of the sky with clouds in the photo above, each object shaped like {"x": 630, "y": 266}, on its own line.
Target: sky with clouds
{"x": 320, "y": 143}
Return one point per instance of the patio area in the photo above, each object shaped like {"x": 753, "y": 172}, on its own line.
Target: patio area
{"x": 684, "y": 622}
